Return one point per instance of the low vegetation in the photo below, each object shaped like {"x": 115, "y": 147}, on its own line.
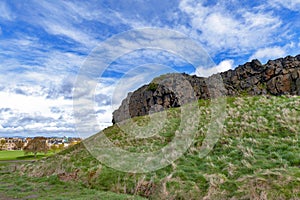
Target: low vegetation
{"x": 257, "y": 156}
{"x": 152, "y": 86}
{"x": 49, "y": 188}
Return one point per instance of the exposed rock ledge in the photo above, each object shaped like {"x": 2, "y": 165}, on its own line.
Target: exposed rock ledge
{"x": 276, "y": 77}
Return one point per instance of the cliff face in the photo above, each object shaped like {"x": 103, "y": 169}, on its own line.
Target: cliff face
{"x": 276, "y": 77}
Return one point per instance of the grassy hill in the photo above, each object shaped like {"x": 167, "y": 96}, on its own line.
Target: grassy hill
{"x": 257, "y": 156}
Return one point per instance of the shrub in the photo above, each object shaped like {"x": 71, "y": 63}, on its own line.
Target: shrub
{"x": 152, "y": 86}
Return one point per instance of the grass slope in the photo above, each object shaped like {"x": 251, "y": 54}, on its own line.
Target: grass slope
{"x": 256, "y": 157}
{"x": 49, "y": 188}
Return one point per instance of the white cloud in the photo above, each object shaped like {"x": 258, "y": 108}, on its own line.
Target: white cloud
{"x": 31, "y": 104}
{"x": 47, "y": 107}
{"x": 59, "y": 19}
{"x": 239, "y": 31}
{"x": 5, "y": 12}
{"x": 268, "y": 53}
{"x": 57, "y": 28}
{"x": 33, "y": 114}
{"x": 68, "y": 19}
{"x": 221, "y": 67}
{"x": 289, "y": 4}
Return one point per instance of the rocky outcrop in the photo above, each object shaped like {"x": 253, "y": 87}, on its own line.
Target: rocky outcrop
{"x": 276, "y": 77}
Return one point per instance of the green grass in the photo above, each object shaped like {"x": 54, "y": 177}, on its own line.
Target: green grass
{"x": 50, "y": 187}
{"x": 257, "y": 156}
{"x": 19, "y": 155}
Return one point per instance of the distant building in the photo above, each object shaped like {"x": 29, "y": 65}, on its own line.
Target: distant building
{"x": 10, "y": 142}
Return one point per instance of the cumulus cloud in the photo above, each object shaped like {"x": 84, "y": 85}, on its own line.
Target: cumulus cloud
{"x": 268, "y": 53}
{"x": 24, "y": 113}
{"x": 55, "y": 109}
{"x": 4, "y": 110}
{"x": 221, "y": 67}
{"x": 220, "y": 28}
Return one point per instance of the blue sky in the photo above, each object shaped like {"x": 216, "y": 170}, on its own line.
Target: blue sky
{"x": 43, "y": 45}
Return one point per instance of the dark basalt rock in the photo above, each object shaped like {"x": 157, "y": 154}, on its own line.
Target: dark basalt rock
{"x": 276, "y": 77}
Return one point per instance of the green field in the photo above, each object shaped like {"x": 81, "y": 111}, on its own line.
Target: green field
{"x": 19, "y": 155}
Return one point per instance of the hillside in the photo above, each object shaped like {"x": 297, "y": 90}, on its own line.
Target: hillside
{"x": 257, "y": 155}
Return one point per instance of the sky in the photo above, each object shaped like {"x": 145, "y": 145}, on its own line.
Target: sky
{"x": 44, "y": 45}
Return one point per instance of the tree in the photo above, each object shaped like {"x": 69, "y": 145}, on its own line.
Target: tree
{"x": 2, "y": 144}
{"x": 19, "y": 144}
{"x": 37, "y": 144}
